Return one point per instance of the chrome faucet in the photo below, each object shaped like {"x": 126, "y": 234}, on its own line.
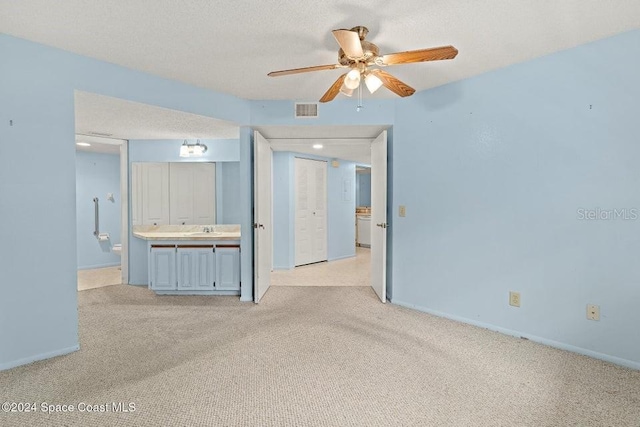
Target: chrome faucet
{"x": 206, "y": 230}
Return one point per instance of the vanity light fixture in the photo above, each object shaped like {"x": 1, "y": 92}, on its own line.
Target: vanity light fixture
{"x": 192, "y": 150}
{"x": 317, "y": 146}
{"x": 83, "y": 144}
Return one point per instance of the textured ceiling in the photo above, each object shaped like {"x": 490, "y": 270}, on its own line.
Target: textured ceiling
{"x": 231, "y": 46}
{"x": 341, "y": 142}
{"x": 118, "y": 118}
{"x": 98, "y": 144}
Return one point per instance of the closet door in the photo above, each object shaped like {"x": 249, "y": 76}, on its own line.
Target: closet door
{"x": 181, "y": 191}
{"x": 204, "y": 193}
{"x": 155, "y": 193}
{"x": 193, "y": 193}
{"x": 310, "y": 211}
{"x": 136, "y": 194}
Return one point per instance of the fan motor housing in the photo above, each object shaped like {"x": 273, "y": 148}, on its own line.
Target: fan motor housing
{"x": 370, "y": 50}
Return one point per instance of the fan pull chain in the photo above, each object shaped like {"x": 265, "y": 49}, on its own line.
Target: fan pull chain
{"x": 359, "y": 106}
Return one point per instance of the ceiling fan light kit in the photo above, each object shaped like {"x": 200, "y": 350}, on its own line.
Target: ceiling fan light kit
{"x": 352, "y": 81}
{"x": 361, "y": 56}
{"x": 346, "y": 91}
{"x": 373, "y": 83}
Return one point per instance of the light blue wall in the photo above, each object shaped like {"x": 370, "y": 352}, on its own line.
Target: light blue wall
{"x": 37, "y": 182}
{"x": 342, "y": 111}
{"x": 340, "y": 209}
{"x": 363, "y": 189}
{"x": 229, "y": 202}
{"x": 168, "y": 150}
{"x": 504, "y": 162}
{"x": 96, "y": 175}
{"x": 220, "y": 151}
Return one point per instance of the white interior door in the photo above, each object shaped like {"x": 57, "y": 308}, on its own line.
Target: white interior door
{"x": 379, "y": 216}
{"x": 262, "y": 244}
{"x": 310, "y": 211}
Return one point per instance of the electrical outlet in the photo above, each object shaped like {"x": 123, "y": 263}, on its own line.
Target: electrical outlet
{"x": 514, "y": 299}
{"x": 593, "y": 312}
{"x": 402, "y": 210}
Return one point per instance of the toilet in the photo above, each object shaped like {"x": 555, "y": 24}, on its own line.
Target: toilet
{"x": 117, "y": 249}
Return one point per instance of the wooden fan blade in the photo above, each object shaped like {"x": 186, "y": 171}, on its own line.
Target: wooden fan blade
{"x": 394, "y": 85}
{"x": 304, "y": 70}
{"x": 334, "y": 90}
{"x": 349, "y": 41}
{"x": 433, "y": 54}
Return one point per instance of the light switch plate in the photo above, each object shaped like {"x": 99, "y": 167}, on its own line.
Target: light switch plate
{"x": 402, "y": 210}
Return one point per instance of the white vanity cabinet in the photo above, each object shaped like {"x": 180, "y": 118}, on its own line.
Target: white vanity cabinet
{"x": 162, "y": 267}
{"x": 228, "y": 267}
{"x": 195, "y": 266}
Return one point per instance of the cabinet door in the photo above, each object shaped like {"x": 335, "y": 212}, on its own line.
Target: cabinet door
{"x": 196, "y": 268}
{"x": 162, "y": 271}
{"x": 227, "y": 268}
{"x": 136, "y": 194}
{"x": 155, "y": 193}
{"x": 204, "y": 193}
{"x": 181, "y": 178}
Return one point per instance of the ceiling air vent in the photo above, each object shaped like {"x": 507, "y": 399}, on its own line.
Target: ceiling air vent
{"x": 306, "y": 110}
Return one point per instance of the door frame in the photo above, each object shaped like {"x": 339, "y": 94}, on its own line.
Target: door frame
{"x": 124, "y": 211}
{"x": 388, "y": 209}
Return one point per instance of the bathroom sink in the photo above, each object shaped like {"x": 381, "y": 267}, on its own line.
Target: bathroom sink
{"x": 202, "y": 234}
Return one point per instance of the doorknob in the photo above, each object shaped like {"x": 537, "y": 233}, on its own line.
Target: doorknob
{"x": 382, "y": 224}
{"x": 261, "y": 225}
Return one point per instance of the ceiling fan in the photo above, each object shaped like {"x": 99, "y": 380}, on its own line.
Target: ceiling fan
{"x": 361, "y": 56}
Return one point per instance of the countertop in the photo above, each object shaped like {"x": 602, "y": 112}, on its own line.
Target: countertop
{"x": 187, "y": 232}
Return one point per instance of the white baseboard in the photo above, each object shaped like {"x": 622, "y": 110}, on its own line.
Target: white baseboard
{"x": 342, "y": 257}
{"x": 551, "y": 343}
{"x": 43, "y": 356}
{"x": 91, "y": 267}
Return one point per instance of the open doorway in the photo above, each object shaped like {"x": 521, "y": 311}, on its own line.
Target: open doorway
{"x": 98, "y": 211}
{"x": 131, "y": 134}
{"x": 300, "y": 216}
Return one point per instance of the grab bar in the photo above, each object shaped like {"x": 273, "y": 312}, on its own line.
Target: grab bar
{"x": 97, "y": 217}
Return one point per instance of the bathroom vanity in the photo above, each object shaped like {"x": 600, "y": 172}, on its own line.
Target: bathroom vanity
{"x": 192, "y": 260}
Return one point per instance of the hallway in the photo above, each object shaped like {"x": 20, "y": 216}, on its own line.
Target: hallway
{"x": 345, "y": 272}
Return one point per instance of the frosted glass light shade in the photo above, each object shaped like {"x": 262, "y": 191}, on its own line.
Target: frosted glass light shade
{"x": 352, "y": 81}
{"x": 192, "y": 150}
{"x": 373, "y": 82}
{"x": 346, "y": 91}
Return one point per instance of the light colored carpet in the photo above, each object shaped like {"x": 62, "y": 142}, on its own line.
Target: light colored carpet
{"x": 99, "y": 277}
{"x": 355, "y": 271}
{"x": 310, "y": 356}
